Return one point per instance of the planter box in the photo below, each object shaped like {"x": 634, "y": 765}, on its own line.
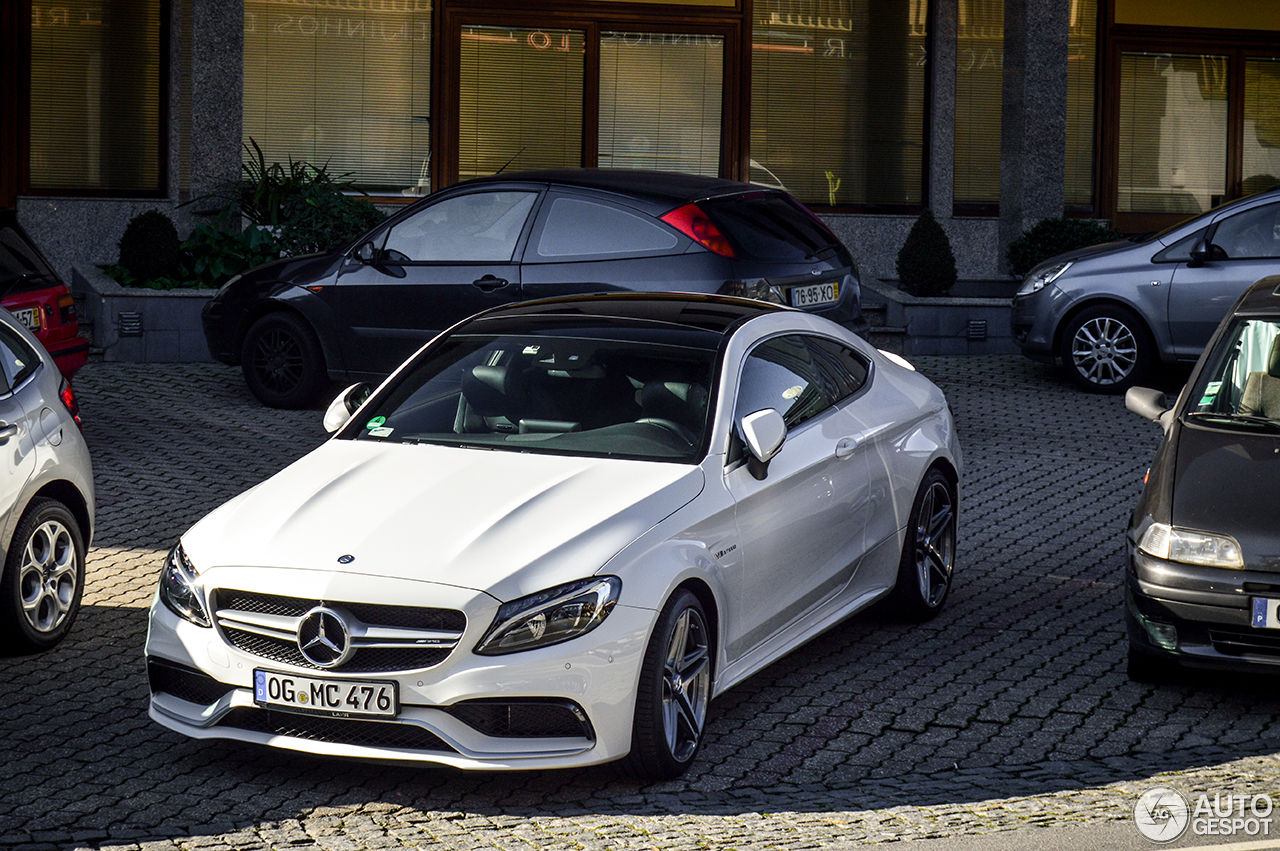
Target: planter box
{"x": 133, "y": 325}
{"x": 949, "y": 325}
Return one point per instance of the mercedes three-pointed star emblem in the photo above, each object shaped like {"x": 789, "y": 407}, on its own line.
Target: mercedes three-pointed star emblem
{"x": 324, "y": 637}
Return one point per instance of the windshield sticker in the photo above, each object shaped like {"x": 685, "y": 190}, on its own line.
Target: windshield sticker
{"x": 380, "y": 432}
{"x": 792, "y": 392}
{"x": 376, "y": 422}
{"x": 1210, "y": 392}
{"x": 531, "y": 350}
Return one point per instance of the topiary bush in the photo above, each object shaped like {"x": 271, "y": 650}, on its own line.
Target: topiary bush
{"x": 926, "y": 264}
{"x": 1051, "y": 237}
{"x": 150, "y": 248}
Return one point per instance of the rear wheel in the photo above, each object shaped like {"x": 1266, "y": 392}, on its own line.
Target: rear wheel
{"x": 675, "y": 688}
{"x": 1107, "y": 349}
{"x": 929, "y": 551}
{"x": 282, "y": 362}
{"x": 43, "y": 577}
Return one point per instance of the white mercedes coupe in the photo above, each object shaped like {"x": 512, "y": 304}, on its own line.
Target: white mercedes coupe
{"x": 556, "y": 533}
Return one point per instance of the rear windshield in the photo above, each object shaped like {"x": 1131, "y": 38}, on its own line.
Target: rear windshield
{"x": 768, "y": 226}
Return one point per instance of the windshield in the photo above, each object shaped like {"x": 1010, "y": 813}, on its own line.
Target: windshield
{"x": 19, "y": 261}
{"x": 1241, "y": 384}
{"x": 604, "y": 392}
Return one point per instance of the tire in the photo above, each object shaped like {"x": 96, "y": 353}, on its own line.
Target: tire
{"x": 1144, "y": 667}
{"x": 282, "y": 362}
{"x": 675, "y": 688}
{"x": 927, "y": 567}
{"x": 43, "y": 578}
{"x": 1107, "y": 349}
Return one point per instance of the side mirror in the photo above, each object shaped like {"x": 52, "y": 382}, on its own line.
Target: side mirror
{"x": 346, "y": 404}
{"x": 366, "y": 253}
{"x": 1149, "y": 404}
{"x": 1204, "y": 251}
{"x": 764, "y": 432}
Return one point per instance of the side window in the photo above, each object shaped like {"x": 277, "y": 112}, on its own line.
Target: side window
{"x": 1180, "y": 251}
{"x": 844, "y": 370}
{"x": 482, "y": 227}
{"x": 782, "y": 374}
{"x": 576, "y": 227}
{"x": 1252, "y": 234}
{"x": 17, "y": 359}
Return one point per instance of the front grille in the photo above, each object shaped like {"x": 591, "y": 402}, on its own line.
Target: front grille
{"x": 439, "y": 631}
{"x": 1232, "y": 642}
{"x": 184, "y": 683}
{"x": 338, "y": 731}
{"x": 534, "y": 719}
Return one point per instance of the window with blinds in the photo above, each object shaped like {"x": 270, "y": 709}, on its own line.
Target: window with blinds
{"x": 660, "y": 101}
{"x": 520, "y": 99}
{"x": 837, "y": 99}
{"x": 96, "y": 97}
{"x": 1173, "y": 132}
{"x": 1082, "y": 73}
{"x": 344, "y": 84}
{"x": 979, "y": 84}
{"x": 1261, "y": 125}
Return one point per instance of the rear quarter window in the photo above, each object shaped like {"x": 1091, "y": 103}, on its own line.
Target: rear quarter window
{"x": 575, "y": 228}
{"x": 770, "y": 226}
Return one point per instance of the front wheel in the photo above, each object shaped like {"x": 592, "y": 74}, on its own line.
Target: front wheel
{"x": 929, "y": 551}
{"x": 43, "y": 577}
{"x": 1107, "y": 349}
{"x": 675, "y": 688}
{"x": 282, "y": 362}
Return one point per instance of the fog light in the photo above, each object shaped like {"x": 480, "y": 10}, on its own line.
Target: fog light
{"x": 1161, "y": 634}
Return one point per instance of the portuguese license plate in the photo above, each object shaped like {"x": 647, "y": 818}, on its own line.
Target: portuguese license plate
{"x": 365, "y": 698}
{"x": 1265, "y": 613}
{"x": 29, "y": 317}
{"x": 815, "y": 294}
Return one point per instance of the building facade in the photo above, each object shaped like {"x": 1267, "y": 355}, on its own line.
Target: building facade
{"x": 992, "y": 114}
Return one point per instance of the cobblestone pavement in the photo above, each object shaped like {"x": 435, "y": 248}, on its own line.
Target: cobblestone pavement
{"x": 1011, "y": 709}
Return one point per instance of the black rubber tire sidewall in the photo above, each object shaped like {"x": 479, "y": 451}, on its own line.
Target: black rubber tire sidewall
{"x": 16, "y": 634}
{"x": 650, "y": 758}
{"x": 313, "y": 376}
{"x": 1146, "y": 356}
{"x": 906, "y": 599}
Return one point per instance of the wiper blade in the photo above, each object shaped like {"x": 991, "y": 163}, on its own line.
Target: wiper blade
{"x": 1250, "y": 419}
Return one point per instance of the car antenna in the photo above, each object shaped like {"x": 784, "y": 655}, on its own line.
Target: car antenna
{"x": 510, "y": 161}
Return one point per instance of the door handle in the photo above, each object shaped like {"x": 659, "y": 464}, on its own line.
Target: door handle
{"x": 489, "y": 283}
{"x": 8, "y": 430}
{"x": 846, "y": 446}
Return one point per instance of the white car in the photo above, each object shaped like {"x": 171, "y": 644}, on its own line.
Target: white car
{"x": 556, "y": 532}
{"x": 46, "y": 495}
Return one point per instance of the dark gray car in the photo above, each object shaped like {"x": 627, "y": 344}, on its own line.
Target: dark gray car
{"x": 1112, "y": 312}
{"x": 1203, "y": 585}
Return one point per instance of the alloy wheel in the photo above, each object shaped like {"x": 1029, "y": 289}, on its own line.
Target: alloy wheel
{"x": 686, "y": 684}
{"x": 278, "y": 360}
{"x": 47, "y": 576}
{"x": 1104, "y": 350}
{"x": 935, "y": 544}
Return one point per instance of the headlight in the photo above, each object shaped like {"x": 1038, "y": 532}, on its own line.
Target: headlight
{"x": 1037, "y": 281}
{"x": 550, "y": 617}
{"x": 1188, "y": 547}
{"x": 178, "y": 588}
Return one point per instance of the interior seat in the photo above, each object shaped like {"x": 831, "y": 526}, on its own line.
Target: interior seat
{"x": 1262, "y": 389}
{"x": 677, "y": 406}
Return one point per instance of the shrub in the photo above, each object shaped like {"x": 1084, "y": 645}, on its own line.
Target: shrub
{"x": 1050, "y": 237}
{"x": 150, "y": 248}
{"x": 215, "y": 255}
{"x": 926, "y": 265}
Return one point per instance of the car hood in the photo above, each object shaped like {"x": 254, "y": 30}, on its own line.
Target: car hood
{"x": 505, "y": 523}
{"x": 1088, "y": 252}
{"x": 1228, "y": 482}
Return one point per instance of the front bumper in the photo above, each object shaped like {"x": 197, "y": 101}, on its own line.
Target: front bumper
{"x": 1200, "y": 616}
{"x": 566, "y": 705}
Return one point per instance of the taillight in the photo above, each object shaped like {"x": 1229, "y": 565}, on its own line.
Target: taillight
{"x": 67, "y": 309}
{"x": 695, "y": 224}
{"x": 69, "y": 400}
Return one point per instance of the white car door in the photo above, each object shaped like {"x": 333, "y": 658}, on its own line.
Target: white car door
{"x": 802, "y": 527}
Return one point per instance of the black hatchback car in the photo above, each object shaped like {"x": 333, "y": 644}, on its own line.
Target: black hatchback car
{"x": 1203, "y": 585}
{"x": 357, "y": 313}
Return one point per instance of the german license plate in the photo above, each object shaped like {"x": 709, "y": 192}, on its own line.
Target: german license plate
{"x": 1265, "y": 614}
{"x": 815, "y": 294}
{"x": 329, "y": 697}
{"x": 29, "y": 317}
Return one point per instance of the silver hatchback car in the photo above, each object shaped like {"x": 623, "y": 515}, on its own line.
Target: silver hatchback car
{"x": 46, "y": 496}
{"x": 1112, "y": 312}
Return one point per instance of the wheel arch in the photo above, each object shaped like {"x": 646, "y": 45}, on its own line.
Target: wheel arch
{"x": 700, "y": 589}
{"x": 270, "y": 306}
{"x": 1103, "y": 301}
{"x": 70, "y": 496}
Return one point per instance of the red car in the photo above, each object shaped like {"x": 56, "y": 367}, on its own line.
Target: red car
{"x": 37, "y": 297}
